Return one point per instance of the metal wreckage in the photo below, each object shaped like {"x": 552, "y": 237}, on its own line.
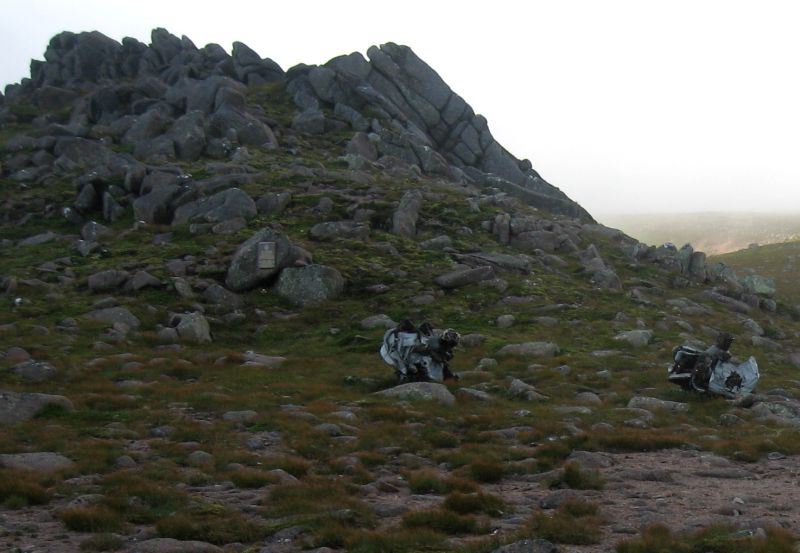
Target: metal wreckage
{"x": 712, "y": 371}
{"x": 420, "y": 354}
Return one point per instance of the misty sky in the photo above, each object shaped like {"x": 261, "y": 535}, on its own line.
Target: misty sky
{"x": 627, "y": 106}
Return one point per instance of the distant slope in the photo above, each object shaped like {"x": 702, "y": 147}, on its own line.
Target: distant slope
{"x": 713, "y": 233}
{"x": 779, "y": 261}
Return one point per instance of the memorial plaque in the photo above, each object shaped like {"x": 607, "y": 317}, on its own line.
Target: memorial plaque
{"x": 266, "y": 255}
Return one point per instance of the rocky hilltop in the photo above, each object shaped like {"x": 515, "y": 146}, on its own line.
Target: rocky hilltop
{"x": 200, "y": 254}
{"x": 173, "y": 100}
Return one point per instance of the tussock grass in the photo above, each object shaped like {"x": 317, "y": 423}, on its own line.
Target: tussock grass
{"x": 446, "y": 522}
{"x": 251, "y": 478}
{"x": 20, "y": 488}
{"x": 211, "y": 523}
{"x": 473, "y": 503}
{"x": 309, "y": 498}
{"x": 718, "y": 538}
{"x": 573, "y": 476}
{"x": 574, "y": 522}
{"x": 96, "y": 518}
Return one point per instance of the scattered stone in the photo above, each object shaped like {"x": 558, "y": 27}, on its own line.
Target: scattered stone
{"x": 40, "y": 462}
{"x": 113, "y": 315}
{"x": 170, "y": 545}
{"x": 425, "y": 391}
{"x": 16, "y": 407}
{"x": 655, "y": 404}
{"x": 378, "y": 321}
{"x": 522, "y": 390}
{"x": 636, "y": 338}
{"x": 240, "y": 416}
{"x": 35, "y": 371}
{"x": 193, "y": 327}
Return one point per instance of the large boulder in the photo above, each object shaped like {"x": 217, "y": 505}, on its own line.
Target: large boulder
{"x": 404, "y": 220}
{"x": 310, "y": 285}
{"x": 259, "y": 259}
{"x": 16, "y": 407}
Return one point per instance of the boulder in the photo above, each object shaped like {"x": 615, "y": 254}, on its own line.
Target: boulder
{"x": 193, "y": 327}
{"x": 16, "y": 407}
{"x": 44, "y": 461}
{"x": 756, "y": 284}
{"x": 655, "y": 404}
{"x": 636, "y": 338}
{"x": 423, "y": 391}
{"x": 35, "y": 371}
{"x": 530, "y": 349}
{"x": 222, "y": 206}
{"x": 310, "y": 285}
{"x": 339, "y": 229}
{"x": 378, "y": 321}
{"x": 404, "y": 220}
{"x": 155, "y": 206}
{"x": 109, "y": 279}
{"x": 250, "y": 268}
{"x": 464, "y": 277}
{"x": 188, "y": 135}
{"x": 273, "y": 204}
{"x": 219, "y": 295}
{"x": 113, "y": 315}
{"x": 522, "y": 390}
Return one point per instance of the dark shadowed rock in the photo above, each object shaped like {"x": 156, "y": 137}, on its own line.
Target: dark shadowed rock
{"x": 273, "y": 204}
{"x": 222, "y": 206}
{"x": 218, "y": 295}
{"x": 109, "y": 279}
{"x": 464, "y": 277}
{"x": 188, "y": 135}
{"x": 309, "y": 285}
{"x": 155, "y": 207}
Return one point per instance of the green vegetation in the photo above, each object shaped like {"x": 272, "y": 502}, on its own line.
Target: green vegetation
{"x": 574, "y": 522}
{"x": 721, "y": 539}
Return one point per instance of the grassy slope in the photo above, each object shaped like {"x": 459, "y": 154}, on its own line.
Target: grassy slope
{"x": 328, "y": 371}
{"x": 779, "y": 261}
